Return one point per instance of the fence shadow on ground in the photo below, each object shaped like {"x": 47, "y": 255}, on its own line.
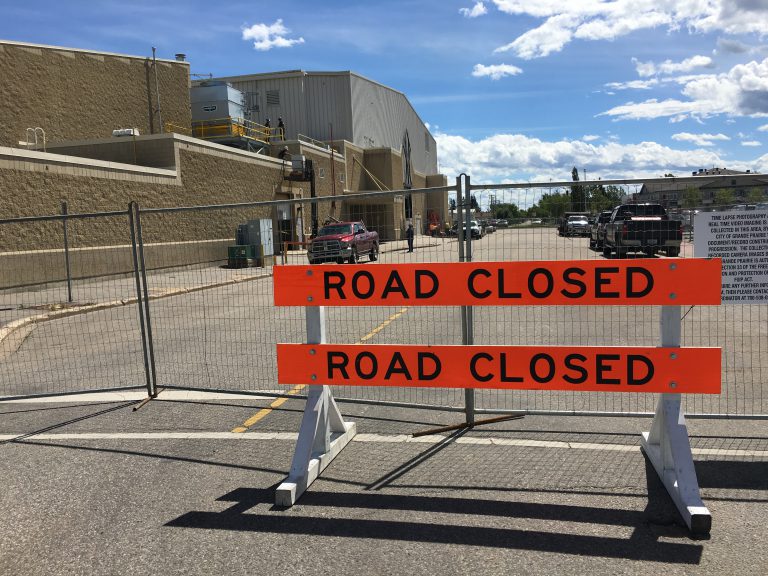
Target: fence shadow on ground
{"x": 658, "y": 519}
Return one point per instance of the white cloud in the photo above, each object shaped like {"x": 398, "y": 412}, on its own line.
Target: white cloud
{"x": 645, "y": 69}
{"x": 751, "y": 143}
{"x": 506, "y": 157}
{"x": 268, "y": 36}
{"x": 763, "y": 128}
{"x": 495, "y": 71}
{"x": 590, "y": 137}
{"x": 633, "y": 84}
{"x": 742, "y": 91}
{"x": 566, "y": 20}
{"x": 699, "y": 139}
{"x": 477, "y": 10}
{"x": 730, "y": 46}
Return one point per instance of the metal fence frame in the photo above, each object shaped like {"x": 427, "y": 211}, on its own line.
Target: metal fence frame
{"x": 462, "y": 189}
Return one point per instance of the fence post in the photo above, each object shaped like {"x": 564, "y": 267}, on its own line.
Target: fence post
{"x": 64, "y": 212}
{"x": 464, "y": 217}
{"x": 139, "y": 298}
{"x": 143, "y": 269}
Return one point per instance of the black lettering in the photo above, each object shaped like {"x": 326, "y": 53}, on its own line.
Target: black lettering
{"x": 437, "y": 368}
{"x": 337, "y": 285}
{"x": 550, "y": 374}
{"x": 600, "y": 281}
{"x": 502, "y": 292}
{"x": 631, "y": 292}
{"x": 394, "y": 284}
{"x": 359, "y": 365}
{"x": 397, "y": 366}
{"x": 356, "y": 284}
{"x": 504, "y": 376}
{"x": 473, "y": 367}
{"x": 471, "y": 283}
{"x": 420, "y": 293}
{"x": 582, "y": 287}
{"x": 570, "y": 363}
{"x": 602, "y": 368}
{"x": 532, "y": 282}
{"x": 337, "y": 361}
{"x": 631, "y": 379}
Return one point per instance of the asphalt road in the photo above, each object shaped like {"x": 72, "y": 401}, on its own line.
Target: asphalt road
{"x": 97, "y": 488}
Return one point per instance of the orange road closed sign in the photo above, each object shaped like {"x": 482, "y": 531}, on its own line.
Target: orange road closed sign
{"x": 585, "y": 282}
{"x": 580, "y": 368}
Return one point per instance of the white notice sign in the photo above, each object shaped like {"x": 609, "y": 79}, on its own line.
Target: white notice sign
{"x": 740, "y": 238}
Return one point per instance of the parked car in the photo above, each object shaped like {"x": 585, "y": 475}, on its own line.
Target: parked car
{"x": 563, "y": 221}
{"x": 597, "y": 232}
{"x": 642, "y": 228}
{"x": 577, "y": 226}
{"x": 502, "y": 223}
{"x": 343, "y": 241}
{"x": 475, "y": 230}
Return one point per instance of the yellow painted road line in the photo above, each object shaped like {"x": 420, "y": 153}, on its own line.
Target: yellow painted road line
{"x": 264, "y": 412}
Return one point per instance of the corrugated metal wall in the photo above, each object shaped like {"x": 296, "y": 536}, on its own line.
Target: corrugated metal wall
{"x": 362, "y": 112}
{"x": 329, "y": 100}
{"x": 275, "y": 97}
{"x": 381, "y": 116}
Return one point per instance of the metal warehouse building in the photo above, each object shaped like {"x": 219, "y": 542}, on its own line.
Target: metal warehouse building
{"x": 359, "y": 110}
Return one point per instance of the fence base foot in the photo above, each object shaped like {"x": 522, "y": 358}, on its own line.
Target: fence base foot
{"x": 669, "y": 450}
{"x": 322, "y": 436}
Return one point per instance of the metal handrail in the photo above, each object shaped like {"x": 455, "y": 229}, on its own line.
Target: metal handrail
{"x": 171, "y": 127}
{"x": 231, "y": 127}
{"x": 309, "y": 140}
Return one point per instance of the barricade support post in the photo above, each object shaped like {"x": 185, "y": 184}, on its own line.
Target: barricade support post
{"x": 323, "y": 432}
{"x": 668, "y": 446}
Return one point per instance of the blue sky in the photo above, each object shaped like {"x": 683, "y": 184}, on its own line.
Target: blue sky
{"x": 512, "y": 89}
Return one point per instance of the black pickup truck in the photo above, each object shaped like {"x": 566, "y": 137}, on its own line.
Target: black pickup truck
{"x": 641, "y": 228}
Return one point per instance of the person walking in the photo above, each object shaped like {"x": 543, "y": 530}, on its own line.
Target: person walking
{"x": 409, "y": 237}
{"x": 281, "y": 128}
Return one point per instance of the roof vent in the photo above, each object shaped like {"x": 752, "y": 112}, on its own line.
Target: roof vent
{"x": 181, "y": 57}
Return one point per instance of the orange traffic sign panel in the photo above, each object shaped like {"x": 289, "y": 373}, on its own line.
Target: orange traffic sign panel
{"x": 577, "y": 368}
{"x": 585, "y": 282}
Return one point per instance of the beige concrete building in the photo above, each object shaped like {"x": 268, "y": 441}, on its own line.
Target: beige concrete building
{"x": 77, "y": 94}
{"x": 79, "y": 97}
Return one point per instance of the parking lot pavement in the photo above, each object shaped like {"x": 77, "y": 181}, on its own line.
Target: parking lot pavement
{"x": 100, "y": 489}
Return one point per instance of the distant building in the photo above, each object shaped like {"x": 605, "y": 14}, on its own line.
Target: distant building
{"x": 743, "y": 188}
{"x": 358, "y": 110}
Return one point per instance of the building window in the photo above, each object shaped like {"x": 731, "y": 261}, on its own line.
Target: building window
{"x": 273, "y": 97}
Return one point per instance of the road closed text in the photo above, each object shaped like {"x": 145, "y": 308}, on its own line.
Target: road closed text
{"x": 588, "y": 282}
{"x": 603, "y": 369}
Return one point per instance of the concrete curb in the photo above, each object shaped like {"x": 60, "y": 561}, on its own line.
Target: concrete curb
{"x": 13, "y": 334}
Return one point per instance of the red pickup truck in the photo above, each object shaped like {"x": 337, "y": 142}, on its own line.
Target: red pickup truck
{"x": 343, "y": 241}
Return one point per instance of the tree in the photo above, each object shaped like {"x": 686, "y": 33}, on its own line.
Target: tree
{"x": 755, "y": 195}
{"x": 552, "y": 205}
{"x": 605, "y": 198}
{"x": 578, "y": 193}
{"x": 505, "y": 211}
{"x": 473, "y": 203}
{"x": 724, "y": 197}
{"x": 691, "y": 197}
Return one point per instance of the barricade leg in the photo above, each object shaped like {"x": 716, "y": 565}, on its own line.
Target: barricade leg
{"x": 668, "y": 446}
{"x": 669, "y": 449}
{"x": 323, "y": 433}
